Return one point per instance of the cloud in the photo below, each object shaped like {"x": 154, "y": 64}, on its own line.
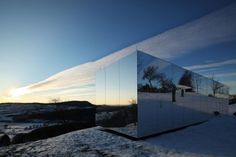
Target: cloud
{"x": 211, "y": 29}
{"x": 206, "y": 70}
{"x": 224, "y": 74}
{"x": 211, "y": 65}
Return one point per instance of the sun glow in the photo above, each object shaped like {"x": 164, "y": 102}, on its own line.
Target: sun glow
{"x": 18, "y": 92}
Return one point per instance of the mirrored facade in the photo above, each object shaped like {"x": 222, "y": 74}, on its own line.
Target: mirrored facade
{"x": 116, "y": 95}
{"x": 144, "y": 95}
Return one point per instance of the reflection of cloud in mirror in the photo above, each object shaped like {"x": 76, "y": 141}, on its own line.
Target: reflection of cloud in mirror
{"x": 223, "y": 74}
{"x": 206, "y": 70}
{"x": 212, "y": 65}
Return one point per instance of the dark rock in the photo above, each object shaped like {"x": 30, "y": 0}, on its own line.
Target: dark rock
{"x": 4, "y": 140}
{"x": 19, "y": 138}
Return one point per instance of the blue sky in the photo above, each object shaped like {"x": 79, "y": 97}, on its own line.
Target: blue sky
{"x": 41, "y": 38}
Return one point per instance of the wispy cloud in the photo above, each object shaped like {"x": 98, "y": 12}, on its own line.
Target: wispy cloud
{"x": 211, "y": 65}
{"x": 206, "y": 70}
{"x": 224, "y": 74}
{"x": 211, "y": 29}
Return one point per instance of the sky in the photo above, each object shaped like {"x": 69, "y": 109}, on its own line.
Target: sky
{"x": 43, "y": 42}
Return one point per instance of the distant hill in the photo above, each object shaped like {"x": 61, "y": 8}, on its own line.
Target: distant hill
{"x": 70, "y": 103}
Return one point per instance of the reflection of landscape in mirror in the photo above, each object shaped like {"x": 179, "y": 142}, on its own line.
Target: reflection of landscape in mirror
{"x": 158, "y": 76}
{"x": 116, "y": 95}
{"x": 154, "y": 75}
{"x": 170, "y": 96}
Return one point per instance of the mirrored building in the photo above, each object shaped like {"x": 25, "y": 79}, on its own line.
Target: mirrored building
{"x": 144, "y": 95}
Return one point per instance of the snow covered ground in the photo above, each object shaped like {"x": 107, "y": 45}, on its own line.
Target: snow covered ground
{"x": 11, "y": 129}
{"x": 10, "y": 125}
{"x": 7, "y": 111}
{"x": 213, "y": 138}
{"x": 217, "y": 137}
{"x": 157, "y": 112}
